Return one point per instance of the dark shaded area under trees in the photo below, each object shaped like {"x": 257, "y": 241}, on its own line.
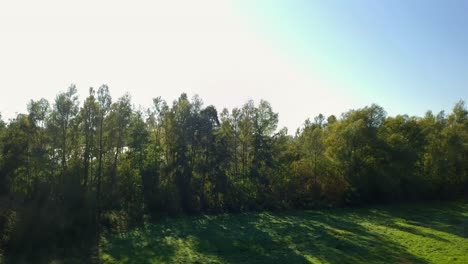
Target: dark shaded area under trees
{"x": 70, "y": 170}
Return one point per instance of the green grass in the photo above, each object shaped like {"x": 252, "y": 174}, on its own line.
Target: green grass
{"x": 418, "y": 233}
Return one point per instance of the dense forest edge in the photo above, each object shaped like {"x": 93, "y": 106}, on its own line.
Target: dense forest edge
{"x": 71, "y": 171}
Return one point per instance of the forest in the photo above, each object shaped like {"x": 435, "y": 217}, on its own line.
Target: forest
{"x": 71, "y": 170}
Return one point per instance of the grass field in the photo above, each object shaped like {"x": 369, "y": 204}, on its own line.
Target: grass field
{"x": 418, "y": 233}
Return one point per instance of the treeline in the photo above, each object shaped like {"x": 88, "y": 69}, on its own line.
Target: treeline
{"x": 67, "y": 169}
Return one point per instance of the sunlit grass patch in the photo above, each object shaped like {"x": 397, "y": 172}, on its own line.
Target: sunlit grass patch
{"x": 419, "y": 233}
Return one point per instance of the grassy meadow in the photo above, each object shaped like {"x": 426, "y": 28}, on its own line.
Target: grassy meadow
{"x": 417, "y": 233}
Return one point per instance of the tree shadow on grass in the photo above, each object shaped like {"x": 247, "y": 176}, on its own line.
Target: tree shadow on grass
{"x": 143, "y": 245}
{"x": 448, "y": 217}
{"x": 205, "y": 239}
{"x": 335, "y": 236}
{"x": 293, "y": 237}
{"x": 240, "y": 240}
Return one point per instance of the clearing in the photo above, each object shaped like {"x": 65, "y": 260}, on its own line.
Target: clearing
{"x": 416, "y": 233}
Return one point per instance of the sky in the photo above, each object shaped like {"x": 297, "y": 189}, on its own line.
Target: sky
{"x": 303, "y": 56}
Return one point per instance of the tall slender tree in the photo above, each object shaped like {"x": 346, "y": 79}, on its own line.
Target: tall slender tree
{"x": 104, "y": 101}
{"x": 89, "y": 121}
{"x": 63, "y": 114}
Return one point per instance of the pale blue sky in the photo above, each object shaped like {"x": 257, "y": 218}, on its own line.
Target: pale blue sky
{"x": 408, "y": 56}
{"x": 304, "y": 57}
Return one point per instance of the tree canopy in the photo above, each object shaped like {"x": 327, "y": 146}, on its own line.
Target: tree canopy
{"x": 67, "y": 169}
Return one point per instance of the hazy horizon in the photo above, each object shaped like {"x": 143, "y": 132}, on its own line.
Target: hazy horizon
{"x": 305, "y": 58}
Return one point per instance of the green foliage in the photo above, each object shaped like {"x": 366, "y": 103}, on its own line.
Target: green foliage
{"x": 70, "y": 172}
